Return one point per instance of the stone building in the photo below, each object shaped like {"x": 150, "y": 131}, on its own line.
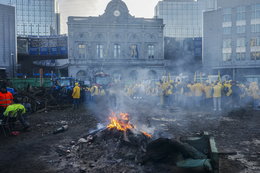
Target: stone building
{"x": 116, "y": 43}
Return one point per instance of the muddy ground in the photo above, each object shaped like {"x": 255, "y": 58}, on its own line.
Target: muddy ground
{"x": 40, "y": 151}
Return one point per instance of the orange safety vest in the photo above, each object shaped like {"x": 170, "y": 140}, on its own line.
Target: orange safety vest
{"x": 6, "y": 99}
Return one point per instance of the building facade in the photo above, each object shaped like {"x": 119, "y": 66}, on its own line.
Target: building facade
{"x": 183, "y": 18}
{"x": 231, "y": 40}
{"x": 35, "y": 17}
{"x": 115, "y": 43}
{"x": 8, "y": 40}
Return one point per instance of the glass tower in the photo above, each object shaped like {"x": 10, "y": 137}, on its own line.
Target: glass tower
{"x": 35, "y": 17}
{"x": 183, "y": 18}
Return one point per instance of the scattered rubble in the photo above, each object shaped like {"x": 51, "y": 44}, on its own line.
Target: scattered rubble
{"x": 43, "y": 99}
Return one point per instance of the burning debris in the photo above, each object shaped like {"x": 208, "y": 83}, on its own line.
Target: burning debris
{"x": 122, "y": 123}
{"x": 122, "y": 147}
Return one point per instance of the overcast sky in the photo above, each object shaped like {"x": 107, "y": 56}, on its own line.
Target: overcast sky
{"x": 138, "y": 8}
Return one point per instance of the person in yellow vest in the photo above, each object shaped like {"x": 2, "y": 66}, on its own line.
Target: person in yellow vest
{"x": 168, "y": 94}
{"x": 94, "y": 92}
{"x": 16, "y": 111}
{"x": 189, "y": 93}
{"x": 217, "y": 90}
{"x": 227, "y": 94}
{"x": 76, "y": 96}
{"x": 198, "y": 91}
{"x": 184, "y": 95}
{"x": 178, "y": 92}
{"x": 160, "y": 92}
{"x": 102, "y": 91}
{"x": 207, "y": 89}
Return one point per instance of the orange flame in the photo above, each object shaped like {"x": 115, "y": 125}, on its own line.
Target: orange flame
{"x": 146, "y": 134}
{"x": 121, "y": 123}
{"x": 124, "y": 116}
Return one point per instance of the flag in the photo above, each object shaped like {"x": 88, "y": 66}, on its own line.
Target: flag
{"x": 219, "y": 76}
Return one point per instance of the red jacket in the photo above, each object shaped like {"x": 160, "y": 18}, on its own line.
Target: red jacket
{"x": 6, "y": 99}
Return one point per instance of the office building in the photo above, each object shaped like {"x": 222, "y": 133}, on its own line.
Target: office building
{"x": 35, "y": 17}
{"x": 231, "y": 39}
{"x": 7, "y": 40}
{"x": 183, "y": 18}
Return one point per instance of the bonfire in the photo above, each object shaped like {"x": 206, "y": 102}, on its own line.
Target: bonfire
{"x": 121, "y": 122}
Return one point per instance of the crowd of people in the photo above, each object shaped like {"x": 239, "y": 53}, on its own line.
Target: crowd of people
{"x": 200, "y": 95}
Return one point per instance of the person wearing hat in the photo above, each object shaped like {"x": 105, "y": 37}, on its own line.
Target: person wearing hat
{"x": 6, "y": 99}
{"x": 76, "y": 96}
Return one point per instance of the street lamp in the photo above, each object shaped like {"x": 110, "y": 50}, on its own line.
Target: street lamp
{"x": 12, "y": 57}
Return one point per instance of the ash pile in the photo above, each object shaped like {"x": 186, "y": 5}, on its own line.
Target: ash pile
{"x": 121, "y": 148}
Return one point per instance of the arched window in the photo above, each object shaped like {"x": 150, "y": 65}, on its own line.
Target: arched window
{"x": 152, "y": 74}
{"x": 134, "y": 51}
{"x": 117, "y": 51}
{"x": 151, "y": 51}
{"x": 81, "y": 75}
{"x": 100, "y": 49}
{"x": 82, "y": 50}
{"x": 133, "y": 75}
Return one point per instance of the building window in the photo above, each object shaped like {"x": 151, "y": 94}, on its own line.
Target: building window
{"x": 241, "y": 13}
{"x": 255, "y": 28}
{"x": 255, "y": 42}
{"x": 256, "y": 11}
{"x": 100, "y": 51}
{"x": 227, "y": 43}
{"x": 227, "y": 30}
{"x": 134, "y": 51}
{"x": 255, "y": 55}
{"x": 82, "y": 50}
{"x": 227, "y": 13}
{"x": 116, "y": 51}
{"x": 241, "y": 29}
{"x": 150, "y": 51}
{"x": 240, "y": 56}
{"x": 226, "y": 57}
{"x": 241, "y": 42}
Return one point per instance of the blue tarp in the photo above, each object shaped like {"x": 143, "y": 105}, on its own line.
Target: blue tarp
{"x": 44, "y": 51}
{"x": 63, "y": 50}
{"x": 34, "y": 51}
{"x": 54, "y": 51}
{"x": 36, "y": 74}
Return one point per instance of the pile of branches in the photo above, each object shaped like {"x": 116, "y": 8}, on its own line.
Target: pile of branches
{"x": 44, "y": 99}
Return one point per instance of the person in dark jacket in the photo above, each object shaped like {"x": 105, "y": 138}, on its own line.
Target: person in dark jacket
{"x": 236, "y": 91}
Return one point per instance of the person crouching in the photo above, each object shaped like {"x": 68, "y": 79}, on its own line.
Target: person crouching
{"x": 14, "y": 112}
